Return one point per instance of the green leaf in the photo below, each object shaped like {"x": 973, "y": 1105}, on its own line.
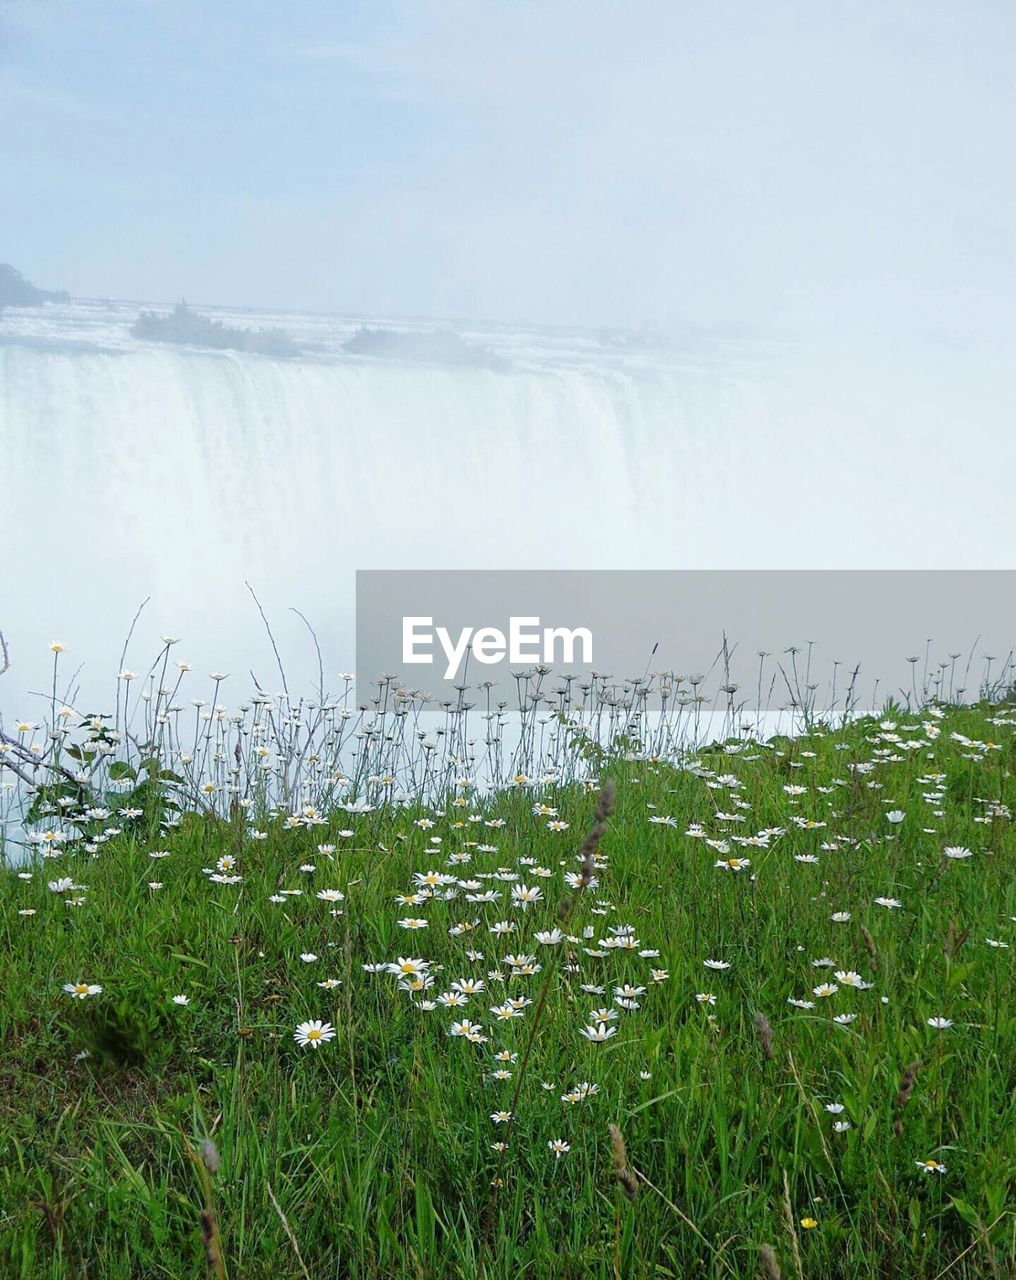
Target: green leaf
{"x": 966, "y": 1211}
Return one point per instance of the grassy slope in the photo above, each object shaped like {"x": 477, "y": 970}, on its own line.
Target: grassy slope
{"x": 376, "y": 1147}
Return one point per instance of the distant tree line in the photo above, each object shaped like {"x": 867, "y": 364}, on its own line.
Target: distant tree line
{"x": 16, "y": 291}
{"x": 185, "y": 326}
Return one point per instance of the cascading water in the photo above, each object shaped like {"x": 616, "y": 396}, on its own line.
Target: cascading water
{"x": 141, "y": 468}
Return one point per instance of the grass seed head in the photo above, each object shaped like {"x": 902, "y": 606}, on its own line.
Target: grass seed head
{"x": 903, "y": 1096}
{"x": 210, "y": 1240}
{"x": 954, "y": 940}
{"x": 210, "y": 1155}
{"x": 624, "y": 1175}
{"x": 605, "y": 804}
{"x": 765, "y": 1035}
{"x": 869, "y": 943}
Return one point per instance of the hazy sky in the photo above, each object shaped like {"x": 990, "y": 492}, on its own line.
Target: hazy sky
{"x": 589, "y": 161}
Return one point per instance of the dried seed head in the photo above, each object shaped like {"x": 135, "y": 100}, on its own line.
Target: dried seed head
{"x": 907, "y": 1085}
{"x": 605, "y": 804}
{"x": 765, "y": 1035}
{"x": 869, "y": 943}
{"x": 954, "y": 940}
{"x": 770, "y": 1266}
{"x": 590, "y": 845}
{"x": 210, "y": 1155}
{"x": 625, "y": 1176}
{"x": 903, "y": 1097}
{"x": 587, "y": 853}
{"x": 617, "y": 1147}
{"x": 210, "y": 1240}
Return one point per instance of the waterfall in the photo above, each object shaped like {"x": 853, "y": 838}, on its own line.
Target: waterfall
{"x": 137, "y": 468}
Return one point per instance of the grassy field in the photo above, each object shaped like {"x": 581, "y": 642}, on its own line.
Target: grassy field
{"x": 809, "y": 1051}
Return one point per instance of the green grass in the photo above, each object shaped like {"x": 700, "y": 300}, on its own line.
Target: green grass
{"x": 370, "y": 1157}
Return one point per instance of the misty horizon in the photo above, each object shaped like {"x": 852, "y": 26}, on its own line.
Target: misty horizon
{"x": 814, "y": 170}
{"x": 721, "y": 327}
